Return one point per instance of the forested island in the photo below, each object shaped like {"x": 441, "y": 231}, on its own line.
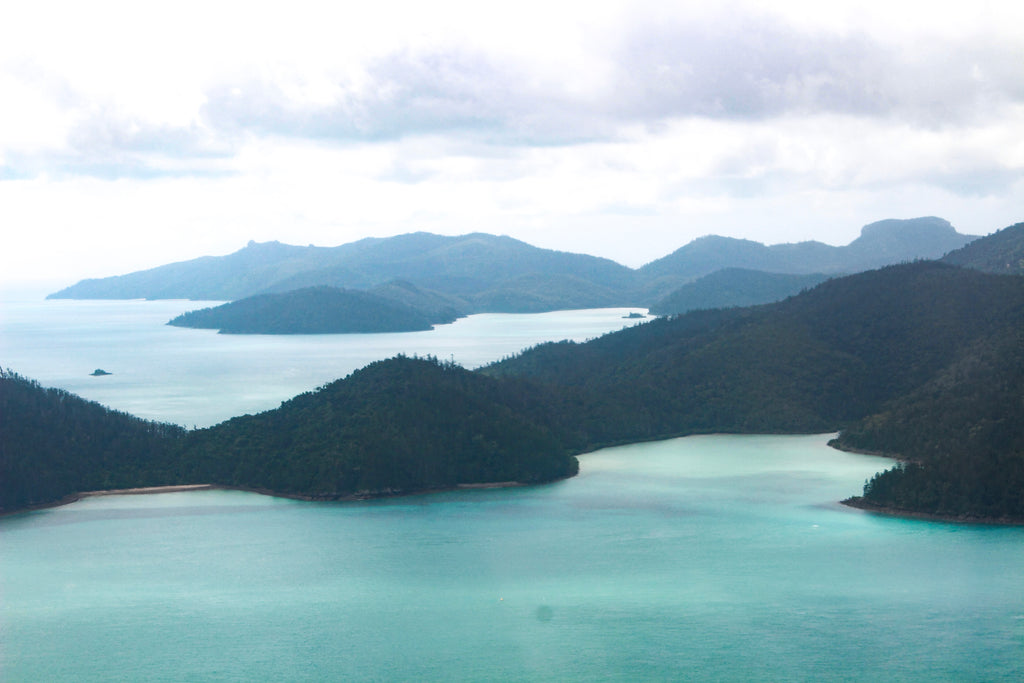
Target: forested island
{"x": 316, "y": 310}
{"x": 921, "y": 361}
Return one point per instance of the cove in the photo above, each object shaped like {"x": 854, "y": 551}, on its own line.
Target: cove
{"x": 701, "y": 558}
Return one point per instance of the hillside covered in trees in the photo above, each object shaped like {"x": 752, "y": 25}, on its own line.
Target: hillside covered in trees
{"x": 1001, "y": 252}
{"x": 731, "y": 287}
{"x": 397, "y": 426}
{"x": 53, "y": 444}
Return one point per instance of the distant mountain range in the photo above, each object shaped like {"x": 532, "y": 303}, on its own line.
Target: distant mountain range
{"x": 923, "y": 361}
{"x": 485, "y": 273}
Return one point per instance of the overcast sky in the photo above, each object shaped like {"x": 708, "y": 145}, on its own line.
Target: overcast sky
{"x": 134, "y": 134}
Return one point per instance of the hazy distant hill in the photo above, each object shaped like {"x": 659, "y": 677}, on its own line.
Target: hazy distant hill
{"x": 490, "y": 273}
{"x": 1000, "y": 252}
{"x": 463, "y": 267}
{"x": 881, "y": 243}
{"x": 734, "y": 287}
{"x": 316, "y": 310}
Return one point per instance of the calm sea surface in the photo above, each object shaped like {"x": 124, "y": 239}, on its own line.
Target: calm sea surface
{"x": 711, "y": 558}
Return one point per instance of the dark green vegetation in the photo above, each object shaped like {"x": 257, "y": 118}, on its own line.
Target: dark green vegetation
{"x": 53, "y": 444}
{"x": 817, "y": 361}
{"x": 1000, "y": 252}
{"x": 314, "y": 310}
{"x": 962, "y": 435}
{"x": 396, "y": 426}
{"x": 734, "y": 287}
{"x": 484, "y": 273}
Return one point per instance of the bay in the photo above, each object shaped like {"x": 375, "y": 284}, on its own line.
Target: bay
{"x": 708, "y": 558}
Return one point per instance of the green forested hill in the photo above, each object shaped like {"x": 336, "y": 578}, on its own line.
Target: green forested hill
{"x": 734, "y": 287}
{"x": 53, "y": 444}
{"x": 821, "y": 359}
{"x": 399, "y": 425}
{"x": 1000, "y": 252}
{"x": 962, "y": 434}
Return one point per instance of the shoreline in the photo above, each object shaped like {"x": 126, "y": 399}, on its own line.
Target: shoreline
{"x": 144, "y": 490}
{"x": 358, "y": 496}
{"x": 860, "y": 503}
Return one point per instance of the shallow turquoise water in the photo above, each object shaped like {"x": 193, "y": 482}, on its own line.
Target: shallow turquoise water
{"x": 704, "y": 558}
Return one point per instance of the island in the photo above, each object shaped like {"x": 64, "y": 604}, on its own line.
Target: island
{"x": 316, "y": 310}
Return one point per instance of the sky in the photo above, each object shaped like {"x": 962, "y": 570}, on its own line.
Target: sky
{"x": 136, "y": 134}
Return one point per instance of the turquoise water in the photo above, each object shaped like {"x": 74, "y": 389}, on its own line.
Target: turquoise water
{"x": 705, "y": 558}
{"x": 711, "y": 558}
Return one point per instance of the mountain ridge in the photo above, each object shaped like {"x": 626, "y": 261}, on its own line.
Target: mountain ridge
{"x": 488, "y": 272}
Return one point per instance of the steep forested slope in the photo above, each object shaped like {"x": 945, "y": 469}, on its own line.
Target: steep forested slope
{"x": 962, "y": 433}
{"x": 53, "y": 443}
{"x": 399, "y": 425}
{"x": 1000, "y": 252}
{"x": 818, "y": 360}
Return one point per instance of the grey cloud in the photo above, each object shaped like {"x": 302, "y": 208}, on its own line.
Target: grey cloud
{"x": 752, "y": 68}
{"x": 105, "y": 133}
{"x": 756, "y": 69}
{"x": 443, "y": 92}
{"x": 744, "y": 68}
{"x": 107, "y": 146}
